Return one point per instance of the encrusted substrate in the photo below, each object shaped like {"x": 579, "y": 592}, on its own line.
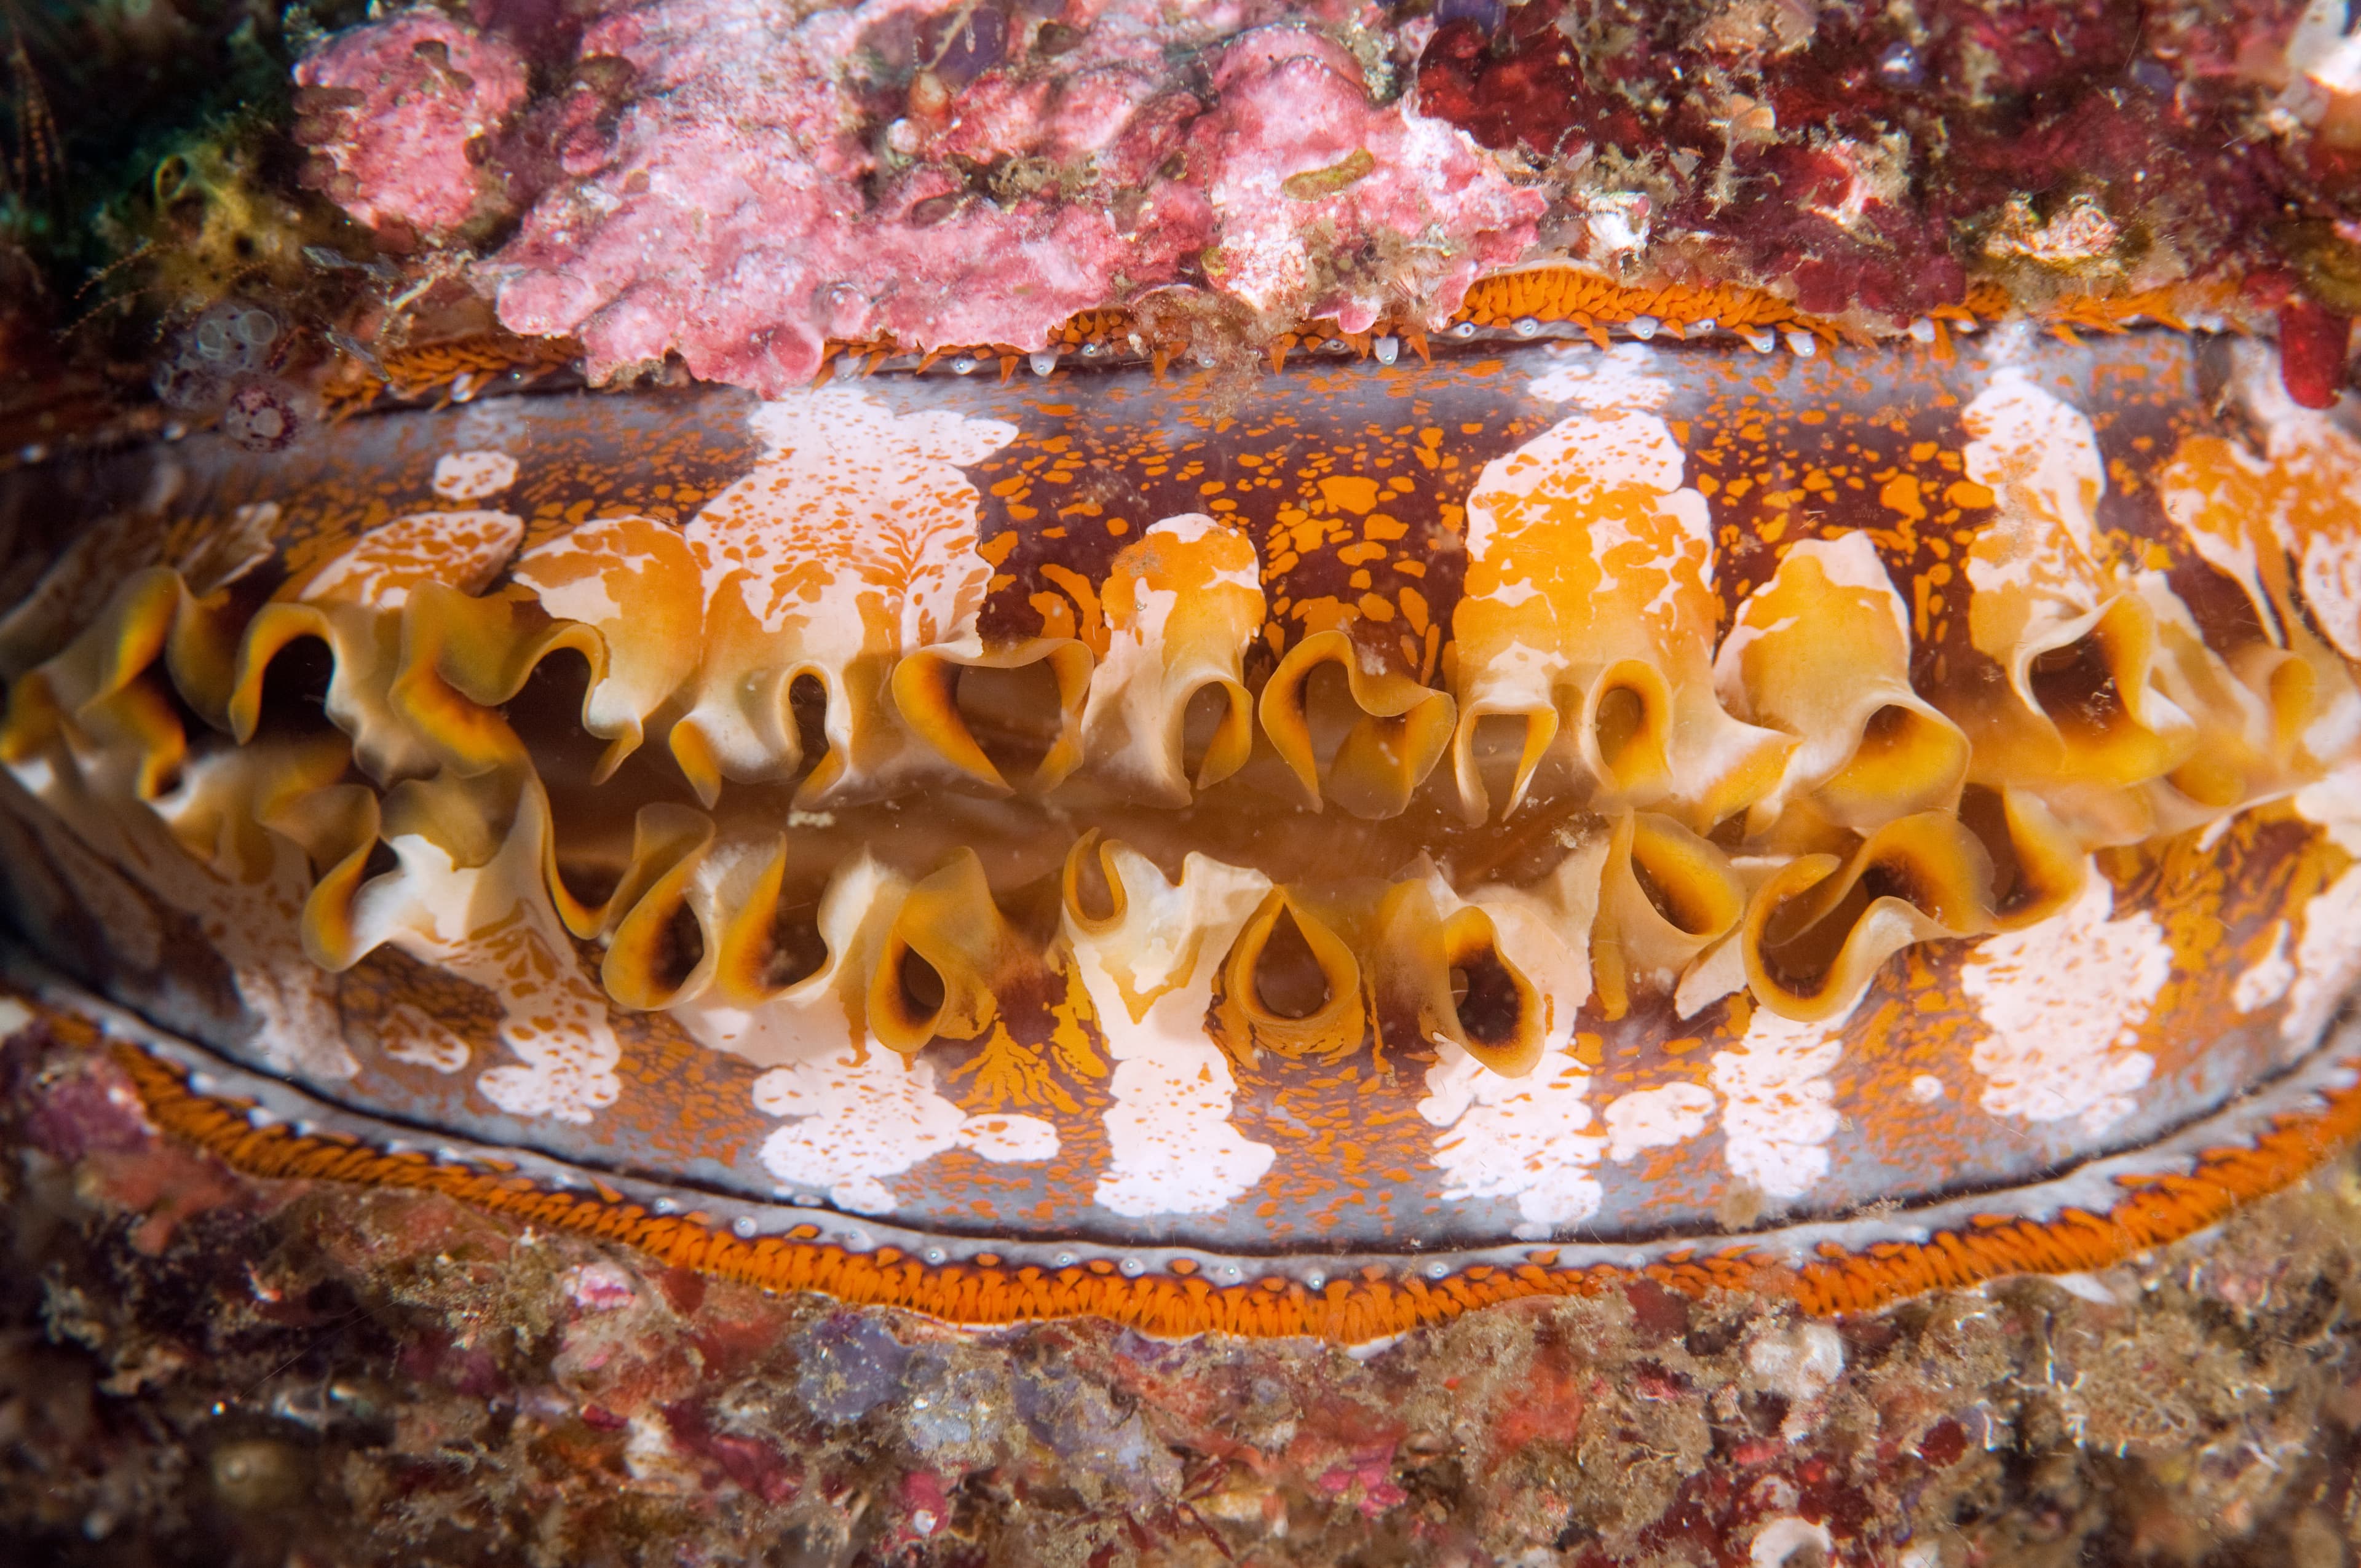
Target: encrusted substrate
{"x": 739, "y": 182}
{"x": 198, "y": 1367}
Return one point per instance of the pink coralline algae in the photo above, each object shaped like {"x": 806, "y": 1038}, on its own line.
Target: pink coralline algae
{"x": 394, "y": 110}
{"x": 1305, "y": 170}
{"x": 736, "y": 187}
{"x": 728, "y": 217}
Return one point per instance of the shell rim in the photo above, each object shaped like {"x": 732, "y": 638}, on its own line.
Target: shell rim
{"x": 2092, "y": 1216}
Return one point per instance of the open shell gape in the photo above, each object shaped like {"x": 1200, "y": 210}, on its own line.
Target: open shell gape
{"x": 1552, "y": 808}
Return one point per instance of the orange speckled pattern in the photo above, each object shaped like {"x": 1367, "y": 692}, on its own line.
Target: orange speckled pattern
{"x": 1559, "y": 795}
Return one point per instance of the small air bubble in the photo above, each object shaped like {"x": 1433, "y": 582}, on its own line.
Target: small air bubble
{"x": 1487, "y": 15}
